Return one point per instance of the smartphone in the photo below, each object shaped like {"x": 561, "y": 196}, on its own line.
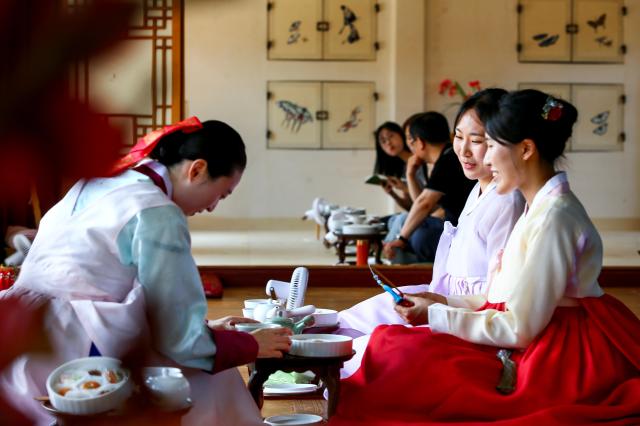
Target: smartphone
{"x": 394, "y": 291}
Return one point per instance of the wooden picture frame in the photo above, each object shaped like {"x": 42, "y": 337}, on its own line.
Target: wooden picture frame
{"x": 542, "y": 35}
{"x": 322, "y": 30}
{"x": 600, "y": 35}
{"x": 320, "y": 114}
{"x": 293, "y": 32}
{"x": 352, "y": 29}
{"x": 351, "y": 120}
{"x": 600, "y": 117}
{"x": 292, "y": 114}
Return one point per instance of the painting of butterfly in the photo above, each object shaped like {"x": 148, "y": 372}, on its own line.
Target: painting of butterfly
{"x": 353, "y": 121}
{"x": 546, "y": 40}
{"x": 601, "y": 122}
{"x": 598, "y": 22}
{"x": 604, "y": 41}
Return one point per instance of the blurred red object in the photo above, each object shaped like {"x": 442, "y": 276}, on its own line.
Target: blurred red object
{"x": 212, "y": 286}
{"x": 8, "y": 275}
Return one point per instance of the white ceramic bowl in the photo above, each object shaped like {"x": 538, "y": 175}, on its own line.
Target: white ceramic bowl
{"x": 325, "y": 317}
{"x": 99, "y": 403}
{"x": 167, "y": 387}
{"x": 295, "y": 419}
{"x": 252, "y": 303}
{"x": 321, "y": 345}
{"x": 251, "y": 326}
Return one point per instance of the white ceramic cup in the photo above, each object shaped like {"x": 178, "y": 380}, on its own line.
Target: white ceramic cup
{"x": 247, "y": 313}
{"x": 252, "y": 303}
{"x": 168, "y": 387}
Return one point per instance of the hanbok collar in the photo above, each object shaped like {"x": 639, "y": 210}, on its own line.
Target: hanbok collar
{"x": 161, "y": 170}
{"x": 558, "y": 184}
{"x": 478, "y": 198}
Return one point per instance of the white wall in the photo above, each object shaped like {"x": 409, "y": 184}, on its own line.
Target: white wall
{"x": 226, "y": 74}
{"x": 423, "y": 42}
{"x": 469, "y": 39}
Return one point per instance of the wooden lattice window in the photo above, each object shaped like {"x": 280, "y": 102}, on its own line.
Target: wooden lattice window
{"x": 139, "y": 86}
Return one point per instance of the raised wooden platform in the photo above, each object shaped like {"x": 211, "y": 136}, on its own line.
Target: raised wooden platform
{"x": 359, "y": 276}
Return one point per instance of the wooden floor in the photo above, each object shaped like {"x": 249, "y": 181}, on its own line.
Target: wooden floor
{"x": 338, "y": 298}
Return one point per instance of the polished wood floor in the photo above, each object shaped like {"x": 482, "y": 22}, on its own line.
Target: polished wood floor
{"x": 338, "y": 298}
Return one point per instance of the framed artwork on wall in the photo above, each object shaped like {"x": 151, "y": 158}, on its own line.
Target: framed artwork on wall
{"x": 585, "y": 31}
{"x": 292, "y": 109}
{"x": 293, "y": 32}
{"x": 600, "y": 125}
{"x": 322, "y": 29}
{"x": 542, "y": 31}
{"x": 600, "y": 35}
{"x": 600, "y": 117}
{"x": 352, "y": 29}
{"x": 351, "y": 117}
{"x": 320, "y": 115}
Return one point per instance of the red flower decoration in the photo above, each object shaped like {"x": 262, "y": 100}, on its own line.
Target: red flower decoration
{"x": 444, "y": 85}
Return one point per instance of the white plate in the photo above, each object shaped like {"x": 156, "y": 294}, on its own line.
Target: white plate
{"x": 359, "y": 229}
{"x": 289, "y": 388}
{"x": 295, "y": 419}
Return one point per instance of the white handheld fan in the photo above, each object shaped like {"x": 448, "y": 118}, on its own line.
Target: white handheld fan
{"x": 297, "y": 288}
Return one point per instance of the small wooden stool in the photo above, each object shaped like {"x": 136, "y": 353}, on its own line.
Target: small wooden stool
{"x": 327, "y": 369}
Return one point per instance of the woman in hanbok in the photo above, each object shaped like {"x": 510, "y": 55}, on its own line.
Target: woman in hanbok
{"x": 544, "y": 344}
{"x": 464, "y": 252}
{"x": 113, "y": 263}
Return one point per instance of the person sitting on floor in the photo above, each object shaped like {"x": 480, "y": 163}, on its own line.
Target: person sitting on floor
{"x": 113, "y": 262}
{"x": 447, "y": 187}
{"x": 567, "y": 352}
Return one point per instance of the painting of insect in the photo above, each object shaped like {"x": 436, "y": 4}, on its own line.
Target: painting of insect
{"x": 598, "y": 22}
{"x": 294, "y": 115}
{"x": 353, "y": 121}
{"x": 546, "y": 40}
{"x": 601, "y": 122}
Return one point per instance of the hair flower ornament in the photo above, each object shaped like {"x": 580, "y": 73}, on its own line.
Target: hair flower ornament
{"x": 552, "y": 109}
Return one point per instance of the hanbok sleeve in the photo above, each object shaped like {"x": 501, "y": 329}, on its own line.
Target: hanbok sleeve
{"x": 496, "y": 225}
{"x": 157, "y": 242}
{"x": 536, "y": 285}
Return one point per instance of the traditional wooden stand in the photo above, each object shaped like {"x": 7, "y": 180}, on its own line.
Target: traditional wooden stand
{"x": 326, "y": 369}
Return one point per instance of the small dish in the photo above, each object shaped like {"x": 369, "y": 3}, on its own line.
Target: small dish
{"x": 289, "y": 388}
{"x": 359, "y": 229}
{"x": 325, "y": 317}
{"x": 321, "y": 345}
{"x": 251, "y": 326}
{"x": 295, "y": 420}
{"x": 252, "y": 303}
{"x": 89, "y": 385}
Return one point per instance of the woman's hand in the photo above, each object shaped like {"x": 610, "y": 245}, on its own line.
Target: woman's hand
{"x": 418, "y": 314}
{"x": 272, "y": 342}
{"x": 397, "y": 184}
{"x": 387, "y": 187}
{"x": 227, "y": 323}
{"x": 389, "y": 249}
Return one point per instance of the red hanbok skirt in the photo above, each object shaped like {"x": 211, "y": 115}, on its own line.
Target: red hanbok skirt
{"x": 583, "y": 368}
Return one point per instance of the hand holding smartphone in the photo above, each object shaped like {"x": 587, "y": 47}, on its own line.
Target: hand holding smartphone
{"x": 390, "y": 288}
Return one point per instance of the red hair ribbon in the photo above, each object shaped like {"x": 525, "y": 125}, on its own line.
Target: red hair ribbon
{"x": 145, "y": 144}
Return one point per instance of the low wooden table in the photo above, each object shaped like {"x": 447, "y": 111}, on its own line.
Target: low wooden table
{"x": 326, "y": 369}
{"x": 375, "y": 241}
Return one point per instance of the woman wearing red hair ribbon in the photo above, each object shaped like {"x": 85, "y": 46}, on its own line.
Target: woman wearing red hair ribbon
{"x": 113, "y": 261}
